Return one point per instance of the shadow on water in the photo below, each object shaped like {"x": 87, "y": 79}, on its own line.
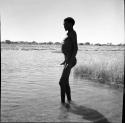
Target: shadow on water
{"x": 86, "y": 113}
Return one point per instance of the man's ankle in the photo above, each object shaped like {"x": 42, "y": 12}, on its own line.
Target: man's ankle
{"x": 62, "y": 103}
{"x": 69, "y": 101}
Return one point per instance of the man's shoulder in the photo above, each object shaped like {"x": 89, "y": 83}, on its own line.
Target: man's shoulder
{"x": 72, "y": 34}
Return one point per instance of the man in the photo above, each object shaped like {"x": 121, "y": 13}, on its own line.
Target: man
{"x": 69, "y": 49}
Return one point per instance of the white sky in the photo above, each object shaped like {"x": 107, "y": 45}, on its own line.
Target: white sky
{"x": 97, "y": 21}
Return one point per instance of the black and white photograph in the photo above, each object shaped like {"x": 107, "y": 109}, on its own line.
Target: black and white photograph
{"x": 62, "y": 61}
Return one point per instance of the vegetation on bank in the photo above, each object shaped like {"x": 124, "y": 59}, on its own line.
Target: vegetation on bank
{"x": 57, "y": 43}
{"x": 110, "y": 72}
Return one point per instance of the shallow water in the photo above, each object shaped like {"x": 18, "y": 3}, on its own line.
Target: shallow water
{"x": 30, "y": 90}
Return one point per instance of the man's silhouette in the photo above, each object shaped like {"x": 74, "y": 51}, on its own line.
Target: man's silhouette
{"x": 69, "y": 49}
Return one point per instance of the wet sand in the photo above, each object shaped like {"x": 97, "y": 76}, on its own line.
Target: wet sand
{"x": 30, "y": 92}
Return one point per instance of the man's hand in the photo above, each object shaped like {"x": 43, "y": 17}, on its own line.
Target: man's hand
{"x": 63, "y": 63}
{"x": 69, "y": 60}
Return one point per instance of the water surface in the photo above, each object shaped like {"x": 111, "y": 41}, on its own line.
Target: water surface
{"x": 30, "y": 90}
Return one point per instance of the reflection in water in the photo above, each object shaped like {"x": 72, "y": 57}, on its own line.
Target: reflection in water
{"x": 85, "y": 112}
{"x": 88, "y": 114}
{"x": 63, "y": 113}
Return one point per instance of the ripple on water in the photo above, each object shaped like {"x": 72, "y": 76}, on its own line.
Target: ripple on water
{"x": 30, "y": 90}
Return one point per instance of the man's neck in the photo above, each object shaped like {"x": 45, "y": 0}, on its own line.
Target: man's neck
{"x": 70, "y": 30}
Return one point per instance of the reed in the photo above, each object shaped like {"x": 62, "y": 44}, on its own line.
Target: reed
{"x": 109, "y": 71}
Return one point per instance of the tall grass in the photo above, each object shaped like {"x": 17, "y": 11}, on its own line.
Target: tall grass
{"x": 104, "y": 70}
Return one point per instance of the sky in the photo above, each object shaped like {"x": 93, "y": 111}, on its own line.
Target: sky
{"x": 97, "y": 21}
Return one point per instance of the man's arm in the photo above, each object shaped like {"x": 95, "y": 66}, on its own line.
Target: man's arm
{"x": 73, "y": 37}
{"x": 75, "y": 46}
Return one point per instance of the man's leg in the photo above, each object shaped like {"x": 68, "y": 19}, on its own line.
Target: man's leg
{"x": 68, "y": 92}
{"x": 67, "y": 86}
{"x": 68, "y": 69}
{"x": 63, "y": 85}
{"x": 63, "y": 90}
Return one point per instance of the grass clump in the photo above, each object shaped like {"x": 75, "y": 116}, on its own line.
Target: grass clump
{"x": 109, "y": 72}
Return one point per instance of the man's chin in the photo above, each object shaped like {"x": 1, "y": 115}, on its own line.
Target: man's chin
{"x": 65, "y": 29}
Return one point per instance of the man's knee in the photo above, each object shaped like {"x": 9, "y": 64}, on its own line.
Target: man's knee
{"x": 72, "y": 63}
{"x": 62, "y": 84}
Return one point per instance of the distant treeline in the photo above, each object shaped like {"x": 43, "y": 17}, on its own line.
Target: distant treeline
{"x": 26, "y": 42}
{"x": 98, "y": 44}
{"x": 57, "y": 43}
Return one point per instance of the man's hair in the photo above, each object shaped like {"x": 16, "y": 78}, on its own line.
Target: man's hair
{"x": 70, "y": 20}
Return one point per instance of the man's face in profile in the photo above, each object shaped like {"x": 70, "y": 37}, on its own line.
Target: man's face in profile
{"x": 67, "y": 26}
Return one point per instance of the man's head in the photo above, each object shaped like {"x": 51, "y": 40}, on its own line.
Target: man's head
{"x": 69, "y": 23}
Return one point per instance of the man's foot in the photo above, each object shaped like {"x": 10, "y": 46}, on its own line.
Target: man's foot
{"x": 70, "y": 102}
{"x": 67, "y": 105}
{"x": 63, "y": 103}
